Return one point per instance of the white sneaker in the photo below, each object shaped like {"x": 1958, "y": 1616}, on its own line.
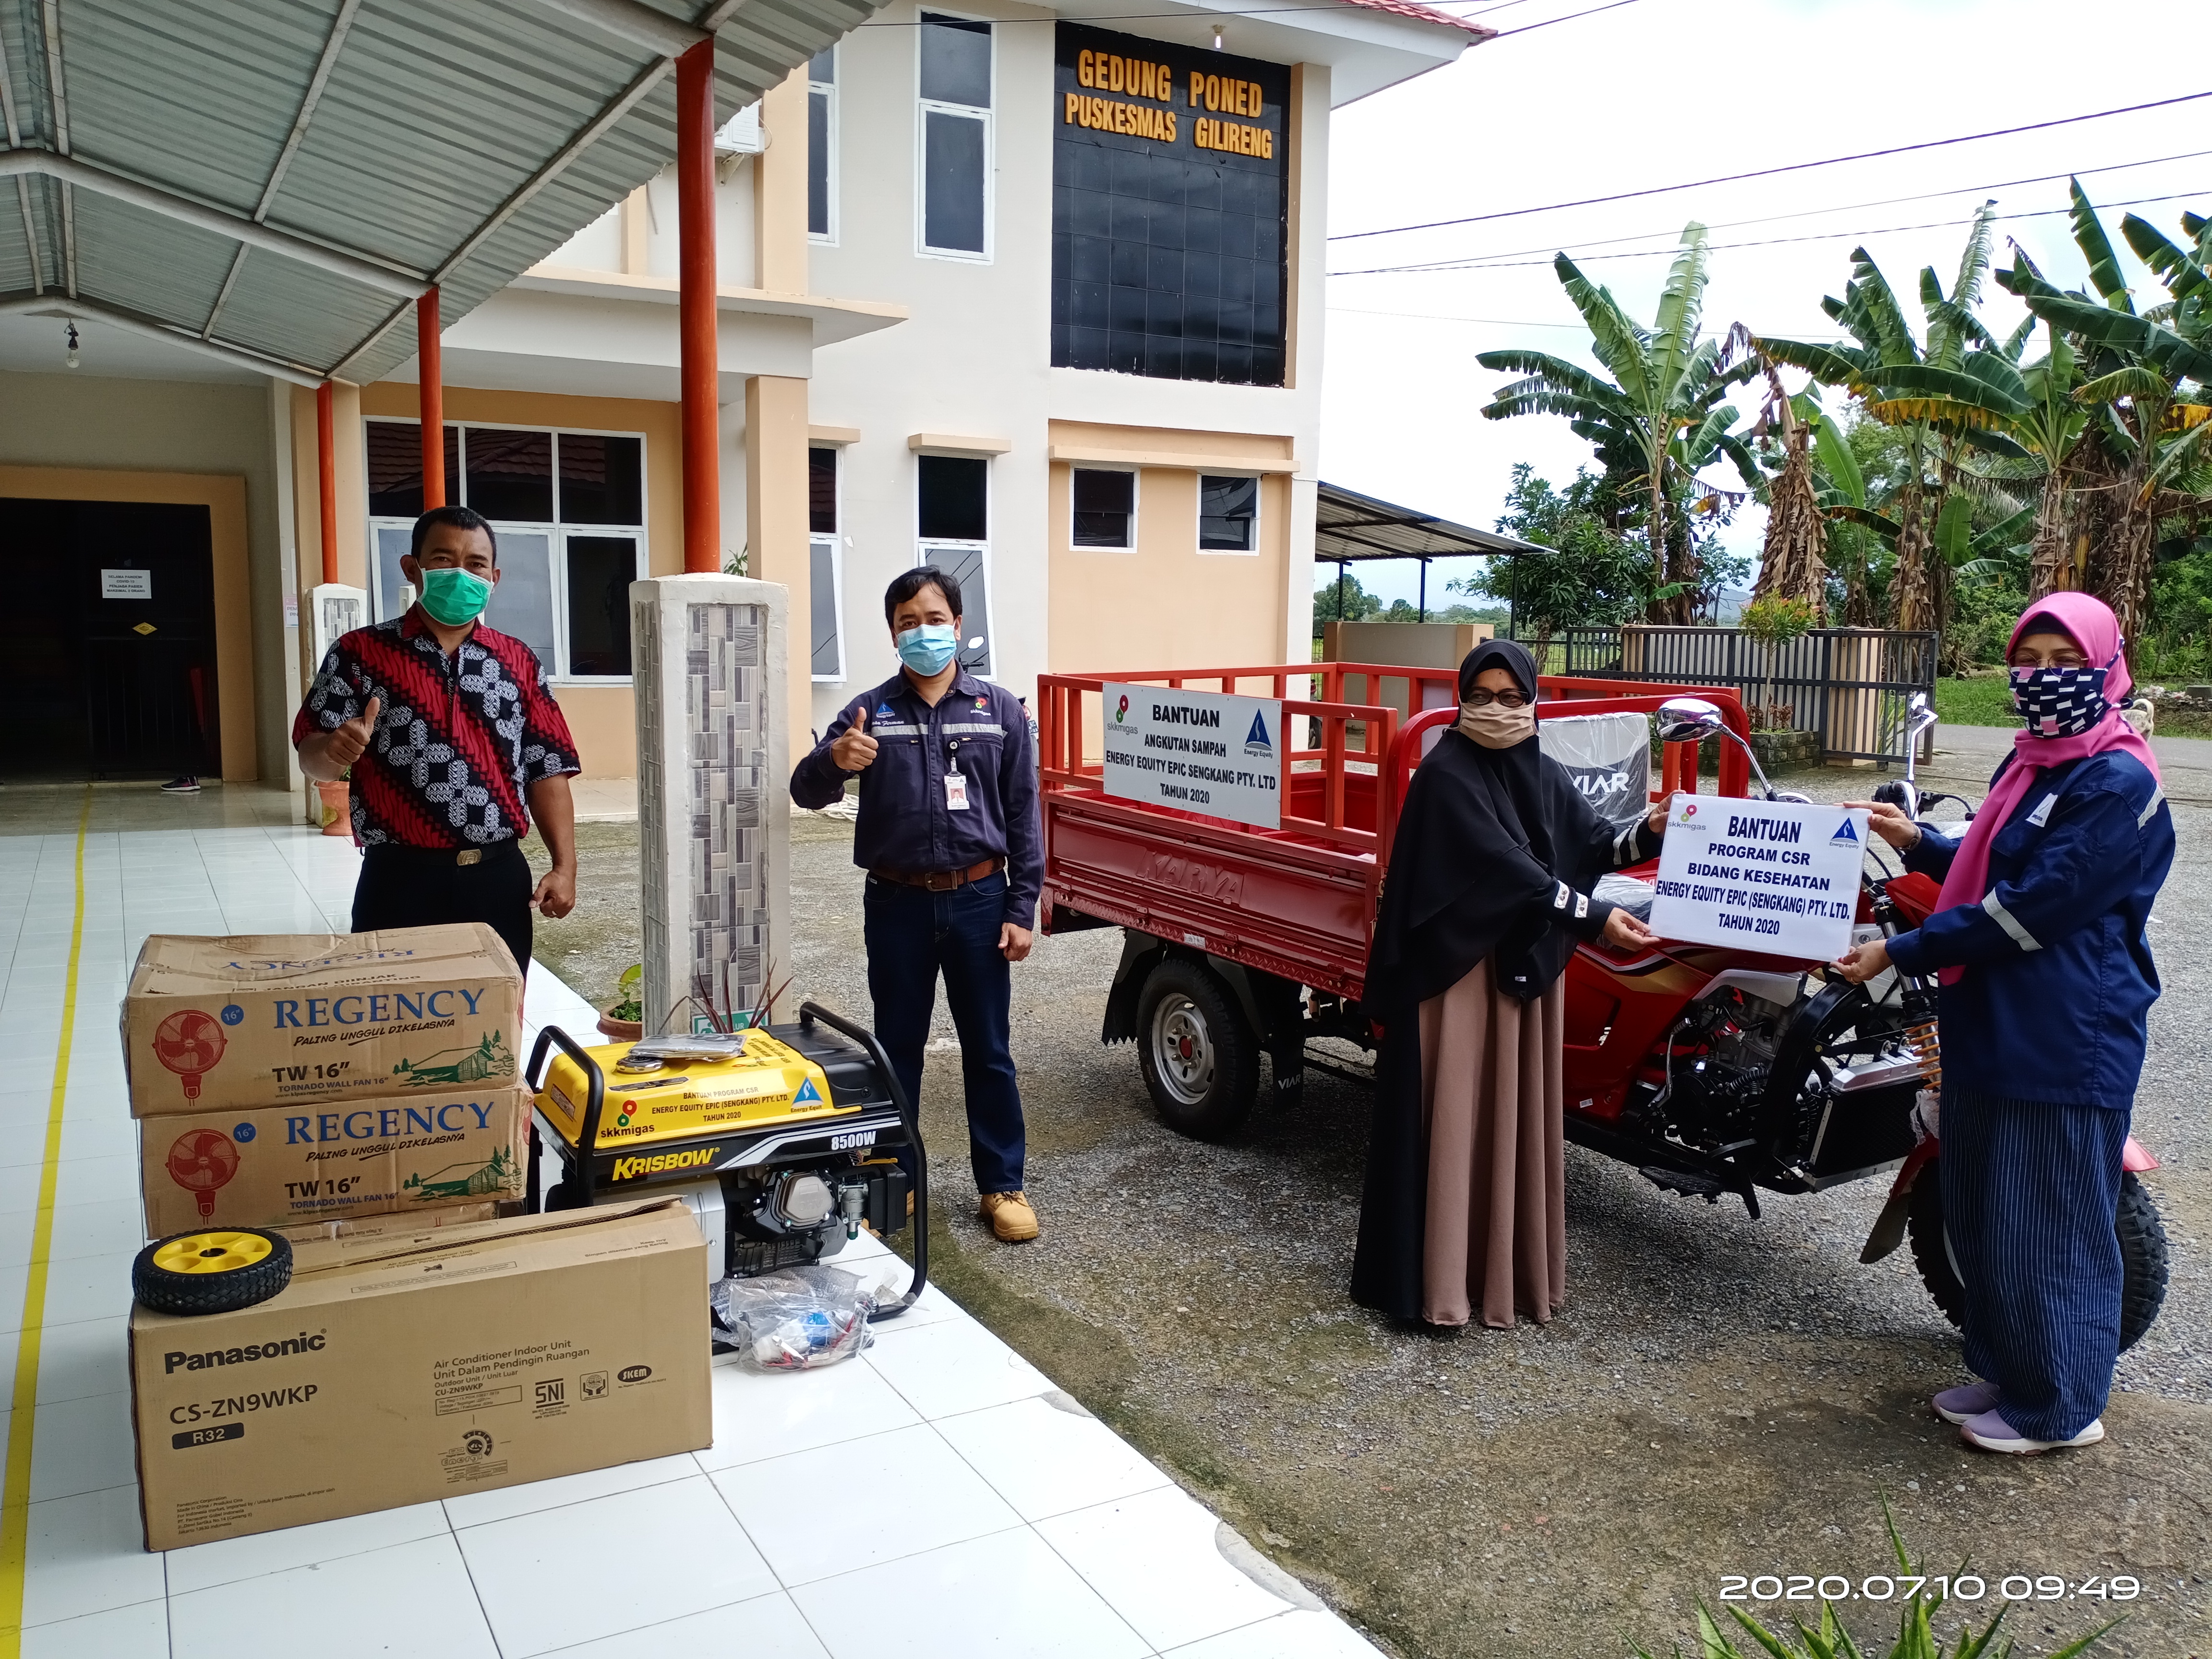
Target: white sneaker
{"x": 1990, "y": 1432}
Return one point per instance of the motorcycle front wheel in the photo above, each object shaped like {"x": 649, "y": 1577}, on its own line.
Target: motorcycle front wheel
{"x": 2142, "y": 1253}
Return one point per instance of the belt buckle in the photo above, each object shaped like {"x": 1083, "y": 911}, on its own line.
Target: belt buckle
{"x": 473, "y": 855}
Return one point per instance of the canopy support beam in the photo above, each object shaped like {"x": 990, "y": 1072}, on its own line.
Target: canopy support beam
{"x": 697, "y": 323}
{"x": 76, "y": 174}
{"x": 54, "y": 305}
{"x": 430, "y": 398}
{"x": 639, "y": 24}
{"x": 327, "y": 463}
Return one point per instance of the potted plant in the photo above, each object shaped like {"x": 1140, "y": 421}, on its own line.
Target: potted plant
{"x": 625, "y": 1021}
{"x": 1774, "y": 622}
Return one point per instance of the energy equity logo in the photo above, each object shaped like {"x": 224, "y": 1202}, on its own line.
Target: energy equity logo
{"x": 1256, "y": 741}
{"x": 1844, "y": 836}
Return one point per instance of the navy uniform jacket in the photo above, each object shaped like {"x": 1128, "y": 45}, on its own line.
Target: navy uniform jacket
{"x": 979, "y": 730}
{"x": 2055, "y": 1003}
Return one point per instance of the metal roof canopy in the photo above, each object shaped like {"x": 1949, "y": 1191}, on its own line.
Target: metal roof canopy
{"x": 272, "y": 182}
{"x": 1350, "y": 528}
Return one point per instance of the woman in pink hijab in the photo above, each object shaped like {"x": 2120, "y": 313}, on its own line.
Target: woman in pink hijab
{"x": 2047, "y": 982}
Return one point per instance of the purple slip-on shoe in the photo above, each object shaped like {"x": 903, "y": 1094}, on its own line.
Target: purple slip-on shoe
{"x": 1969, "y": 1400}
{"x": 1990, "y": 1432}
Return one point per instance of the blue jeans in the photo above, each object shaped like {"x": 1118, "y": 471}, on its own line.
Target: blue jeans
{"x": 913, "y": 935}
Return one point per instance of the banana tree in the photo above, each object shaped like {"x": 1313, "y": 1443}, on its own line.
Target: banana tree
{"x": 1959, "y": 387}
{"x": 1661, "y": 415}
{"x": 2145, "y": 425}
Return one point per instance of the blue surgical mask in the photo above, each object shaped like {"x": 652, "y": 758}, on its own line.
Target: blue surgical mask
{"x": 926, "y": 649}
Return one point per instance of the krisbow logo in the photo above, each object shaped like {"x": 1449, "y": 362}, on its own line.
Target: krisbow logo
{"x": 1121, "y": 713}
{"x": 663, "y": 1163}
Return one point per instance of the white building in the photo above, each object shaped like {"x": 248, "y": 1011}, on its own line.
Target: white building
{"x": 1029, "y": 293}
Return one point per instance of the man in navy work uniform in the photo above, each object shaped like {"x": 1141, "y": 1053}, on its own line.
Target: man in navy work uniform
{"x": 948, "y": 834}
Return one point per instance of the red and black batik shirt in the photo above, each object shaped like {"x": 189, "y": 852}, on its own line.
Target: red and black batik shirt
{"x": 457, "y": 739}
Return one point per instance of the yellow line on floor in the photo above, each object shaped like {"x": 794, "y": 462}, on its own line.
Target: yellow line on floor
{"x": 16, "y": 1494}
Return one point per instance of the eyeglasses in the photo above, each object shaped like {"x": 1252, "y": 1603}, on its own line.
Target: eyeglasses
{"x": 1503, "y": 699}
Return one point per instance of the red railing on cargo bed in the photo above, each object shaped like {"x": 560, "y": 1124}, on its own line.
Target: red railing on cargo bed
{"x": 1297, "y": 901}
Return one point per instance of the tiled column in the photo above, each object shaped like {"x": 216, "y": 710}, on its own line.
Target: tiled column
{"x": 712, "y": 687}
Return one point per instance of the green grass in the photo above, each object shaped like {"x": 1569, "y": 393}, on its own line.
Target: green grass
{"x": 1983, "y": 701}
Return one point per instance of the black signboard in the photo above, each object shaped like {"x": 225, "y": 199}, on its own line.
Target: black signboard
{"x": 1169, "y": 205}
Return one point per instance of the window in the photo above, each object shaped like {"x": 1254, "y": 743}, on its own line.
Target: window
{"x": 825, "y": 583}
{"x": 1105, "y": 509}
{"x": 568, "y": 508}
{"x": 952, "y": 494}
{"x": 952, "y": 523}
{"x": 822, "y": 146}
{"x": 955, "y": 82}
{"x": 1228, "y": 509}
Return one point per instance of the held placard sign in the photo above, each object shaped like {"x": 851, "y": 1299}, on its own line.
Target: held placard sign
{"x": 1204, "y": 751}
{"x": 1768, "y": 876}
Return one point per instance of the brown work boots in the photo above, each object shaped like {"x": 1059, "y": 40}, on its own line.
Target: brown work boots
{"x": 1011, "y": 1217}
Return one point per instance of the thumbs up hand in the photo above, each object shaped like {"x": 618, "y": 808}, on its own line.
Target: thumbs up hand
{"x": 855, "y": 750}
{"x": 348, "y": 742}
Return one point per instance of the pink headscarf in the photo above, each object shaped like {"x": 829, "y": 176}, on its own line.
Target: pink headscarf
{"x": 2094, "y": 628}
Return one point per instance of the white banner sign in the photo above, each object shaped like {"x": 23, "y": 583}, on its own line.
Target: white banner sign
{"x": 126, "y": 584}
{"x": 1761, "y": 875}
{"x": 1201, "y": 750}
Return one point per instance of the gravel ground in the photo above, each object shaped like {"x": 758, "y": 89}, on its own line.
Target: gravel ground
{"x": 1719, "y": 1396}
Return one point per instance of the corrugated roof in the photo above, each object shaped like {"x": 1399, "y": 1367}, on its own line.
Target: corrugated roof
{"x": 1353, "y": 528}
{"x": 430, "y": 118}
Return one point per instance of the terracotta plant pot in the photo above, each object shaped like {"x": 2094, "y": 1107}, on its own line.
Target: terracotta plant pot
{"x": 337, "y": 807}
{"x": 621, "y": 1031}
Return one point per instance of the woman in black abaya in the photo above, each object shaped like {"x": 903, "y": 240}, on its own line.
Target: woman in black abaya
{"x": 1486, "y": 893}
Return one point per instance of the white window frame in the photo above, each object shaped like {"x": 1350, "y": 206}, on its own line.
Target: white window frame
{"x": 1136, "y": 504}
{"x": 1197, "y": 515}
{"x": 829, "y": 88}
{"x": 556, "y": 532}
{"x": 836, "y": 546}
{"x": 923, "y": 108}
{"x": 922, "y": 551}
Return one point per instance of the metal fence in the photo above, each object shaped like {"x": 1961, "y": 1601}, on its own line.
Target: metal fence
{"x": 1849, "y": 684}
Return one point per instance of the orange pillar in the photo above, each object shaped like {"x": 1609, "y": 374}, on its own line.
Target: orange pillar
{"x": 326, "y": 454}
{"x": 694, "y": 223}
{"x": 430, "y": 384}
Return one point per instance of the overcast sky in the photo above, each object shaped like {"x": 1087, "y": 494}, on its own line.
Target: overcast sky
{"x": 1663, "y": 92}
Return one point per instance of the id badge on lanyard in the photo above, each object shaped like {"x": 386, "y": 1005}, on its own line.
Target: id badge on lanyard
{"x": 956, "y": 792}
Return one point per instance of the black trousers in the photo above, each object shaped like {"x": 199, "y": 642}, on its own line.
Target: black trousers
{"x": 421, "y": 886}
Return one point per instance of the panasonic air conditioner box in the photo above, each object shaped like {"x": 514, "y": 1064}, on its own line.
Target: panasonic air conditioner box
{"x": 280, "y": 1020}
{"x": 400, "y": 1368}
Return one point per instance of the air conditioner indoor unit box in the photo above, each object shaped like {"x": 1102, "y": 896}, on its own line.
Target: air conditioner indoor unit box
{"x": 274, "y": 1020}
{"x": 284, "y": 1166}
{"x": 403, "y": 1370}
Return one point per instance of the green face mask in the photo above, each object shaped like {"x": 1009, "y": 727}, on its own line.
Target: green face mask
{"x": 454, "y": 597}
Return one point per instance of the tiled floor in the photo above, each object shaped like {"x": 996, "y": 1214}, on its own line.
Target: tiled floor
{"x": 936, "y": 1496}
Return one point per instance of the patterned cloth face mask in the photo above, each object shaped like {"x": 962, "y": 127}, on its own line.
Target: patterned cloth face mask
{"x": 2059, "y": 703}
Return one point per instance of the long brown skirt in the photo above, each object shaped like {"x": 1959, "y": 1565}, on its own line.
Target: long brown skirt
{"x": 1491, "y": 1094}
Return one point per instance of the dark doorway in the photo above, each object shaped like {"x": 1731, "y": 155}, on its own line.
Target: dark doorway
{"x": 107, "y": 639}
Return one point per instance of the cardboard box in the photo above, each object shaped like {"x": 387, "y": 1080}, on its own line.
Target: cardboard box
{"x": 276, "y": 1166}
{"x": 382, "y": 1226}
{"x": 401, "y": 1370}
{"x": 218, "y": 1025}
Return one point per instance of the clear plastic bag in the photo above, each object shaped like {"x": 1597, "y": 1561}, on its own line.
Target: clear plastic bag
{"x": 794, "y": 1319}
{"x": 1630, "y": 895}
{"x": 1609, "y": 758}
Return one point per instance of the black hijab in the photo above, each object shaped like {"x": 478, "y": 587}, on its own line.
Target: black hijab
{"x": 1467, "y": 807}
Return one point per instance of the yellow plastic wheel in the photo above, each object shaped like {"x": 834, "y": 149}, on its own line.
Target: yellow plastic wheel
{"x": 211, "y": 1253}
{"x": 217, "y": 1270}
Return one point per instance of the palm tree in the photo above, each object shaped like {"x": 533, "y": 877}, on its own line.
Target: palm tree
{"x": 2143, "y": 445}
{"x": 1955, "y": 390}
{"x": 1662, "y": 416}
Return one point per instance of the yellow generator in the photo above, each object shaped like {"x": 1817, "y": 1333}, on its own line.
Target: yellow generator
{"x": 783, "y": 1140}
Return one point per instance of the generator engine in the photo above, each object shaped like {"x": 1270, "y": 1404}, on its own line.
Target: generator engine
{"x": 783, "y": 1140}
